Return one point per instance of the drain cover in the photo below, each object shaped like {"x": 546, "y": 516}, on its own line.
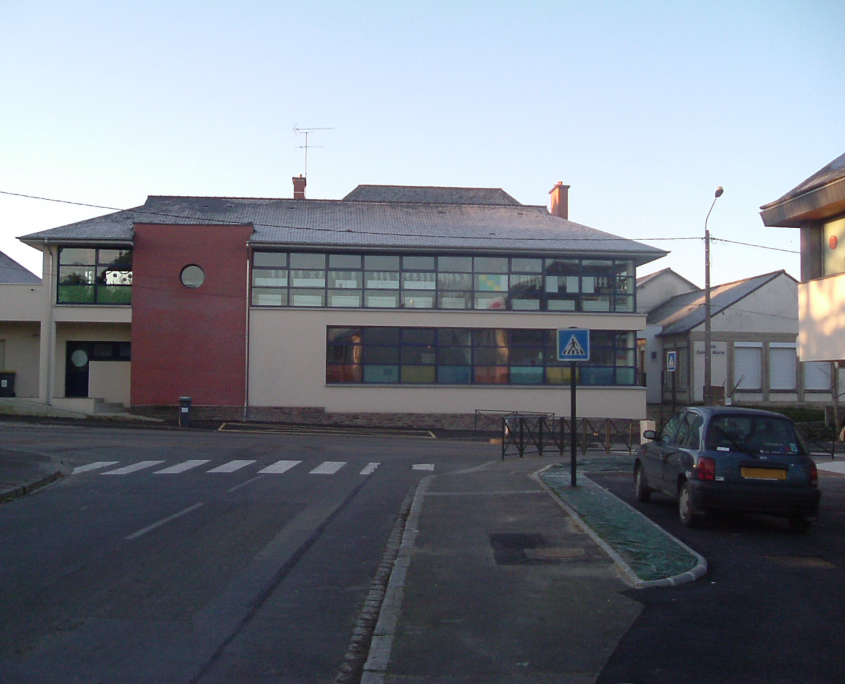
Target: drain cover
{"x": 802, "y": 562}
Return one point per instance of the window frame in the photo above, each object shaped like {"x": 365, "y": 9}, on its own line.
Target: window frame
{"x": 446, "y": 282}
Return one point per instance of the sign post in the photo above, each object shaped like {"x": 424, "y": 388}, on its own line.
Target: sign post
{"x": 573, "y": 345}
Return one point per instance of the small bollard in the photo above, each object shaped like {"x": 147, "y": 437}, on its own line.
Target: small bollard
{"x": 184, "y": 412}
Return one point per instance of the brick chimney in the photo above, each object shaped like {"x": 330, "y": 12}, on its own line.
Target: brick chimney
{"x": 299, "y": 187}
{"x": 559, "y": 204}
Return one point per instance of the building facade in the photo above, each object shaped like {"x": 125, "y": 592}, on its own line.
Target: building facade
{"x": 754, "y": 343}
{"x": 817, "y": 208}
{"x": 397, "y": 305}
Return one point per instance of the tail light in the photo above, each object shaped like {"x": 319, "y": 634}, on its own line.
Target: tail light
{"x": 706, "y": 468}
{"x": 814, "y": 475}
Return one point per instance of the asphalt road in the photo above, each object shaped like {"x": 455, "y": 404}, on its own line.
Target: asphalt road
{"x": 199, "y": 557}
{"x": 771, "y": 608}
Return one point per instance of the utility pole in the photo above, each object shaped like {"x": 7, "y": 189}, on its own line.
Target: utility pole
{"x": 708, "y": 333}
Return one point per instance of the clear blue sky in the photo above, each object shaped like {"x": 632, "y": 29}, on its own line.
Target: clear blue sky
{"x": 642, "y": 107}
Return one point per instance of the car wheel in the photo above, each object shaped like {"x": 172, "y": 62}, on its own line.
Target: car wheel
{"x": 686, "y": 510}
{"x": 640, "y": 489}
{"x": 798, "y": 522}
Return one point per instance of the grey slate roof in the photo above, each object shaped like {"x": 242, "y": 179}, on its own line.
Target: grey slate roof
{"x": 365, "y": 224}
{"x": 430, "y": 195}
{"x": 12, "y": 273}
{"x": 685, "y": 312}
{"x": 832, "y": 172}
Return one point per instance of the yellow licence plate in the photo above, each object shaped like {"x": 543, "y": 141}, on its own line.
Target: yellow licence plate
{"x": 764, "y": 473}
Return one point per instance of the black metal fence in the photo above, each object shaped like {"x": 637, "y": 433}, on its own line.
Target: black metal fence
{"x": 820, "y": 438}
{"x": 540, "y": 434}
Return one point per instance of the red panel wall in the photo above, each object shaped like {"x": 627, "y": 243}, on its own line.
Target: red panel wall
{"x": 189, "y": 342}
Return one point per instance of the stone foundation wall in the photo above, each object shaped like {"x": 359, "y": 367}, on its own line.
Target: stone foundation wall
{"x": 317, "y": 416}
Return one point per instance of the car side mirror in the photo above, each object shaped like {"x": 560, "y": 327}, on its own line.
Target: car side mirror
{"x": 649, "y": 434}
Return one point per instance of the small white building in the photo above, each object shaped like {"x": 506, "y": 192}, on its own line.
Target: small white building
{"x": 754, "y": 342}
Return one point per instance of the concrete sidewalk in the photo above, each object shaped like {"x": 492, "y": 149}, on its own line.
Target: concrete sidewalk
{"x": 496, "y": 582}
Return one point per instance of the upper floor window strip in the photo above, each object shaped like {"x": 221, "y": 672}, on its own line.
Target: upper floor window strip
{"x": 454, "y": 282}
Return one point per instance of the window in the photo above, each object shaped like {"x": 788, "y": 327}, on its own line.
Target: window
{"x": 688, "y": 431}
{"x": 748, "y": 363}
{"x": 817, "y": 377}
{"x": 667, "y": 434}
{"x": 464, "y": 356}
{"x": 418, "y": 281}
{"x": 94, "y": 276}
{"x": 783, "y": 367}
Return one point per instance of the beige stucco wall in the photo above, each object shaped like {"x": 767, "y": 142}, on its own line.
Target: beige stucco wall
{"x": 821, "y": 310}
{"x": 770, "y": 309}
{"x": 90, "y": 332}
{"x": 287, "y": 366}
{"x": 110, "y": 380}
{"x": 22, "y": 302}
{"x": 21, "y": 349}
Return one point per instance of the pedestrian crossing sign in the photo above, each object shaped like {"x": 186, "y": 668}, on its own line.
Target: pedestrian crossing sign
{"x": 573, "y": 344}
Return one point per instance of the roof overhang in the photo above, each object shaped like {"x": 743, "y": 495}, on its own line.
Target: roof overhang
{"x": 812, "y": 206}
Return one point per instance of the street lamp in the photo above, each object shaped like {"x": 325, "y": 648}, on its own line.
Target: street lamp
{"x": 708, "y": 336}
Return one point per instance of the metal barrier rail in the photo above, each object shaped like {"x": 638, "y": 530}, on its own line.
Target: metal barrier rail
{"x": 820, "y": 437}
{"x": 492, "y": 418}
{"x": 537, "y": 434}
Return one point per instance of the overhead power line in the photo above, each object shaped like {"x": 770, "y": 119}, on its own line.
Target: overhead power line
{"x": 196, "y": 217}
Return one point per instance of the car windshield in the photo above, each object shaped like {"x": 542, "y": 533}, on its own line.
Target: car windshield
{"x": 753, "y": 434}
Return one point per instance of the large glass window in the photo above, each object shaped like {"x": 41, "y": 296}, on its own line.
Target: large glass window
{"x": 463, "y": 356}
{"x": 88, "y": 275}
{"x": 494, "y": 283}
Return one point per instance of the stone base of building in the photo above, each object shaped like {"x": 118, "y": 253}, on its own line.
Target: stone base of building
{"x": 318, "y": 416}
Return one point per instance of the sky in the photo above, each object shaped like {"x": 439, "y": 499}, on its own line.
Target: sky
{"x": 643, "y": 108}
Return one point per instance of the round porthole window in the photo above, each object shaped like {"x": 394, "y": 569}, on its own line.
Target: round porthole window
{"x": 193, "y": 276}
{"x": 79, "y": 358}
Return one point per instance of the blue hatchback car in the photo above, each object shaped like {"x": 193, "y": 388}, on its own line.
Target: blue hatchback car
{"x": 722, "y": 458}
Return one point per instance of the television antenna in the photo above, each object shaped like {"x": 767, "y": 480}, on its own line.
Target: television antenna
{"x": 305, "y": 132}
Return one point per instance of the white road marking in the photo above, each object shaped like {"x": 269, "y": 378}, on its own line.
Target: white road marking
{"x": 280, "y": 467}
{"x": 834, "y": 467}
{"x": 370, "y": 468}
{"x": 150, "y": 528}
{"x": 244, "y": 484}
{"x": 93, "y": 466}
{"x": 328, "y": 468}
{"x": 141, "y": 465}
{"x": 422, "y": 466}
{"x": 230, "y": 467}
{"x": 181, "y": 467}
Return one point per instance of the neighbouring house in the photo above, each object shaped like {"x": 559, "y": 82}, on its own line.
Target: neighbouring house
{"x": 817, "y": 207}
{"x": 394, "y": 305}
{"x": 21, "y": 310}
{"x": 754, "y": 349}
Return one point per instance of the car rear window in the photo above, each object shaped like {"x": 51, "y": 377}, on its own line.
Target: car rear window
{"x": 757, "y": 434}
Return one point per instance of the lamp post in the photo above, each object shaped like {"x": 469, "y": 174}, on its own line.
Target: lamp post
{"x": 708, "y": 336}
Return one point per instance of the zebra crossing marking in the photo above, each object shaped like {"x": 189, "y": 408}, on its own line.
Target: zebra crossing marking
{"x": 181, "y": 467}
{"x": 279, "y": 467}
{"x": 135, "y": 467}
{"x": 231, "y": 466}
{"x": 93, "y": 466}
{"x": 328, "y": 468}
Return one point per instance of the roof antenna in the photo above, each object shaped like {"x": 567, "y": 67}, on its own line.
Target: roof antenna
{"x": 305, "y": 132}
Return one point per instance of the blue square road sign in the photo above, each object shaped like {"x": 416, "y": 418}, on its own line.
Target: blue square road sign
{"x": 573, "y": 344}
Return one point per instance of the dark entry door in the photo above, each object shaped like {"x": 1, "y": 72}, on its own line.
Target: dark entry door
{"x": 76, "y": 369}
